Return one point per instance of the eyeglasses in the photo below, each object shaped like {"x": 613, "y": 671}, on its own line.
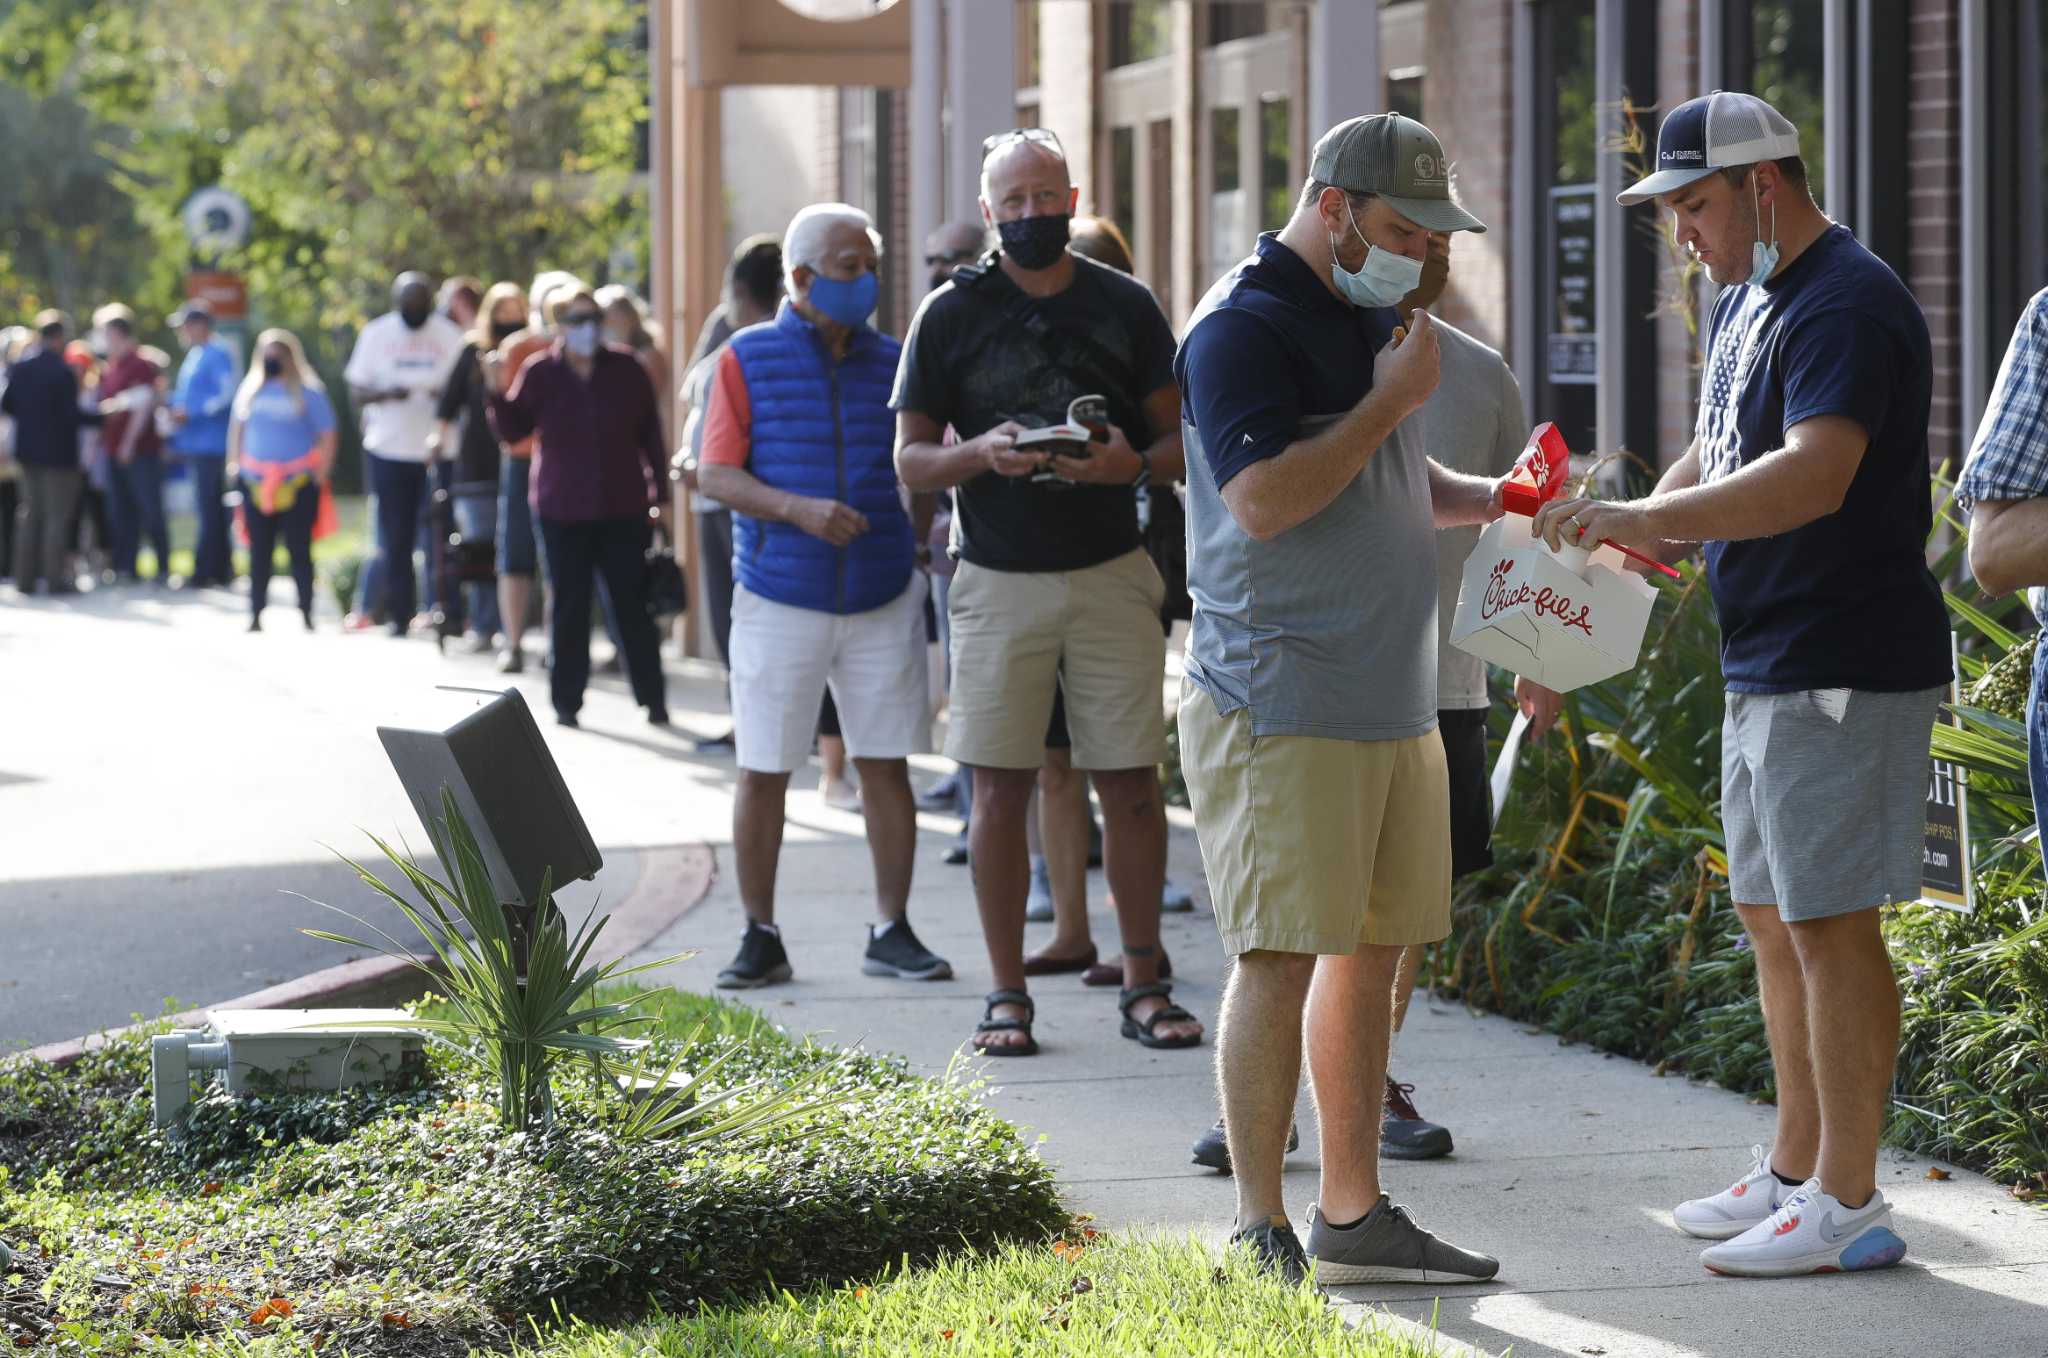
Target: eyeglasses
{"x": 1037, "y": 136}
{"x": 582, "y": 318}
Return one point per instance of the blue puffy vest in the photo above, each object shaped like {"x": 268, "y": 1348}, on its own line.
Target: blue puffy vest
{"x": 826, "y": 430}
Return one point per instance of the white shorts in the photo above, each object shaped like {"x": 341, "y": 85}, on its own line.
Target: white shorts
{"x": 783, "y": 657}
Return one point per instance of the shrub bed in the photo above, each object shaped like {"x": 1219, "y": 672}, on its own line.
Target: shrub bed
{"x": 407, "y": 1221}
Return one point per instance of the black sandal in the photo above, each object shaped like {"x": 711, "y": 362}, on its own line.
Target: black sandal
{"x": 1142, "y": 1033}
{"x": 991, "y": 1024}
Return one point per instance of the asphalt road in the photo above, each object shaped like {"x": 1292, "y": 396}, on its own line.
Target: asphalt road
{"x": 168, "y": 780}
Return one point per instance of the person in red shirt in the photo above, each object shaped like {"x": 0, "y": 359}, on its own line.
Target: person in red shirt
{"x": 134, "y": 452}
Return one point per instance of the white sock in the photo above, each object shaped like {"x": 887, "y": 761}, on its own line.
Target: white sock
{"x": 875, "y": 931}
{"x": 776, "y": 930}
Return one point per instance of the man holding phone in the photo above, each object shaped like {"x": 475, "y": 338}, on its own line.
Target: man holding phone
{"x": 1054, "y": 586}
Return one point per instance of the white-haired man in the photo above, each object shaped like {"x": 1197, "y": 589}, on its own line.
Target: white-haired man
{"x": 797, "y": 440}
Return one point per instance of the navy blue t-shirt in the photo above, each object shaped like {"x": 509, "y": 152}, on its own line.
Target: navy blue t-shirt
{"x": 1284, "y": 349}
{"x": 1846, "y": 601}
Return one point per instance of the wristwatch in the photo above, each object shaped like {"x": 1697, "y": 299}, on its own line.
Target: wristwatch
{"x": 1144, "y": 476}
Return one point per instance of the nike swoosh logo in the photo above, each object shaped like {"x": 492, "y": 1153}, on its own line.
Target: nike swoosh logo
{"x": 1830, "y": 1233}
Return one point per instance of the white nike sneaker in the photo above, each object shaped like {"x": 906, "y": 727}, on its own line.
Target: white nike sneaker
{"x": 1737, "y": 1207}
{"x": 1811, "y": 1233}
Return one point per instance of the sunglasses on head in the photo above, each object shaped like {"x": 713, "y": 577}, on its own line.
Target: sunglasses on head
{"x": 1037, "y": 136}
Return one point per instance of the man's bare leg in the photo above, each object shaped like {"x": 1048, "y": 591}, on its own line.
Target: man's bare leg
{"x": 892, "y": 832}
{"x": 1782, "y": 983}
{"x": 1350, "y": 1015}
{"x": 1258, "y": 1072}
{"x": 757, "y": 817}
{"x": 1852, "y": 1008}
{"x": 1002, "y": 879}
{"x": 1134, "y": 860}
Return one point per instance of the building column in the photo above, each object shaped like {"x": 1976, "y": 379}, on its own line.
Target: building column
{"x": 981, "y": 93}
{"x": 1184, "y": 284}
{"x": 1346, "y": 77}
{"x": 927, "y": 95}
{"x": 1067, "y": 93}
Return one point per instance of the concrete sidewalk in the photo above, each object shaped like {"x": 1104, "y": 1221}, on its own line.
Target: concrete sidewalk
{"x": 1568, "y": 1160}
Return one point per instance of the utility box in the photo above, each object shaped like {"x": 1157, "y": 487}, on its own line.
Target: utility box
{"x": 260, "y": 1051}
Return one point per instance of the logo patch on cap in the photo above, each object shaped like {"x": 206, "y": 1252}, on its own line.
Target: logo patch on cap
{"x": 1425, "y": 166}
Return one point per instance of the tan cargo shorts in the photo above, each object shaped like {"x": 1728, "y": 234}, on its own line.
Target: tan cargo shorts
{"x": 1095, "y": 632}
{"x": 1314, "y": 845}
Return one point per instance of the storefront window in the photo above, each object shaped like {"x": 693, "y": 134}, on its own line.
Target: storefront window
{"x": 1140, "y": 30}
{"x": 1123, "y": 176}
{"x": 1404, "y": 92}
{"x": 1787, "y": 53}
{"x": 1233, "y": 19}
{"x": 1223, "y": 148}
{"x": 2016, "y": 210}
{"x": 1569, "y": 347}
{"x": 1276, "y": 165}
{"x": 1576, "y": 139}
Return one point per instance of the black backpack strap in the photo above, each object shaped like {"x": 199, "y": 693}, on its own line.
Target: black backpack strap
{"x": 1071, "y": 350}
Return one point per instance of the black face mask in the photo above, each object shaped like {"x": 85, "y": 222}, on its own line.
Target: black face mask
{"x": 1035, "y": 242}
{"x": 272, "y": 367}
{"x": 500, "y": 332}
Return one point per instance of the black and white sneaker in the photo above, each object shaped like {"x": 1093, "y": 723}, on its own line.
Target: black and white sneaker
{"x": 1405, "y": 1134}
{"x": 896, "y": 951}
{"x": 1276, "y": 1249}
{"x": 1212, "y": 1151}
{"x": 761, "y": 961}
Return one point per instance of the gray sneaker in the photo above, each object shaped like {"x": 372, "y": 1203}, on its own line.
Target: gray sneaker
{"x": 1275, "y": 1249}
{"x": 1388, "y": 1247}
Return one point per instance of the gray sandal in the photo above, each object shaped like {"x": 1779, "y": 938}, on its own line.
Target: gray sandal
{"x": 1142, "y": 1033}
{"x": 991, "y": 1024}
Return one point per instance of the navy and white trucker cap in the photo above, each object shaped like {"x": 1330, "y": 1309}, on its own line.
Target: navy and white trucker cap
{"x": 1713, "y": 132}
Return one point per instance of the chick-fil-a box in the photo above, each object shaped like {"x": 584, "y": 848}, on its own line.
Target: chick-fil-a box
{"x": 1566, "y": 618}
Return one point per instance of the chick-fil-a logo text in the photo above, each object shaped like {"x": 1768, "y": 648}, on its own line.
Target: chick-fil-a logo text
{"x": 1499, "y": 599}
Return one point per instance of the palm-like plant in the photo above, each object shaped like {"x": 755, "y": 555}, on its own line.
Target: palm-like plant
{"x": 518, "y": 1026}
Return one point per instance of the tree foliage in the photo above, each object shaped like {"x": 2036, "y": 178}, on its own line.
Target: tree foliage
{"x": 491, "y": 137}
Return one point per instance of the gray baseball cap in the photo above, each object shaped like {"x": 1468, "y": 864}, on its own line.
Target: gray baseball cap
{"x": 1397, "y": 159}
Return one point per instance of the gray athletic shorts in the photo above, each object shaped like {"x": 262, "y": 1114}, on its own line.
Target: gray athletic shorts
{"x": 1824, "y": 798}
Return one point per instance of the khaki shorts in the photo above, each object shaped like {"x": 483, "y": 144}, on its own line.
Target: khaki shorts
{"x": 1094, "y": 631}
{"x": 1315, "y": 845}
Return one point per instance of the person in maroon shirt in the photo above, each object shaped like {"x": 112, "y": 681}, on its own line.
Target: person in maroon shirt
{"x": 135, "y": 464}
{"x": 598, "y": 477}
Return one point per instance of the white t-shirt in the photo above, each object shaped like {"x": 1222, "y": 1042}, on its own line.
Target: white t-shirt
{"x": 389, "y": 353}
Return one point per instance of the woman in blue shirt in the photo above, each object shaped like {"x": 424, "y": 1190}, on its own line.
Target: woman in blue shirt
{"x": 281, "y": 448}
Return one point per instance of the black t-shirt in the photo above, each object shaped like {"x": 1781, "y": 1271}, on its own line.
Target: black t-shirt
{"x": 477, "y": 453}
{"x": 1846, "y": 601}
{"x": 969, "y": 364}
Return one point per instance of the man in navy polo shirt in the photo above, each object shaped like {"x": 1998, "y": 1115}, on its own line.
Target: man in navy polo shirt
{"x": 1308, "y": 718}
{"x": 1807, "y": 483}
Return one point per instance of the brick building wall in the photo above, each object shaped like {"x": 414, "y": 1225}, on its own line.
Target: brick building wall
{"x": 1467, "y": 100}
{"x": 1933, "y": 215}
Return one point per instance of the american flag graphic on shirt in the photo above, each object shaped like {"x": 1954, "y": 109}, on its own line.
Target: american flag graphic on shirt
{"x": 1731, "y": 359}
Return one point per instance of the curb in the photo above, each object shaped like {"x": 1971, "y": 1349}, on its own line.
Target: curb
{"x": 671, "y": 883}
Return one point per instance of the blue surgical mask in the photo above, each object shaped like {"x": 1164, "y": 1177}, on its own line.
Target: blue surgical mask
{"x": 1382, "y": 280}
{"x": 1763, "y": 259}
{"x": 848, "y": 301}
{"x": 581, "y": 340}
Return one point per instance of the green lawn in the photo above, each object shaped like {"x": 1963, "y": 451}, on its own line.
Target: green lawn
{"x": 1100, "y": 1297}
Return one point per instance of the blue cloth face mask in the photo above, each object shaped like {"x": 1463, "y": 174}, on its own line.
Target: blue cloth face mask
{"x": 848, "y": 301}
{"x": 580, "y": 339}
{"x": 1763, "y": 259}
{"x": 1382, "y": 280}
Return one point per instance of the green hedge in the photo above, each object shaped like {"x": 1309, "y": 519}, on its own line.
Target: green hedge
{"x": 406, "y": 1221}
{"x": 1606, "y": 917}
